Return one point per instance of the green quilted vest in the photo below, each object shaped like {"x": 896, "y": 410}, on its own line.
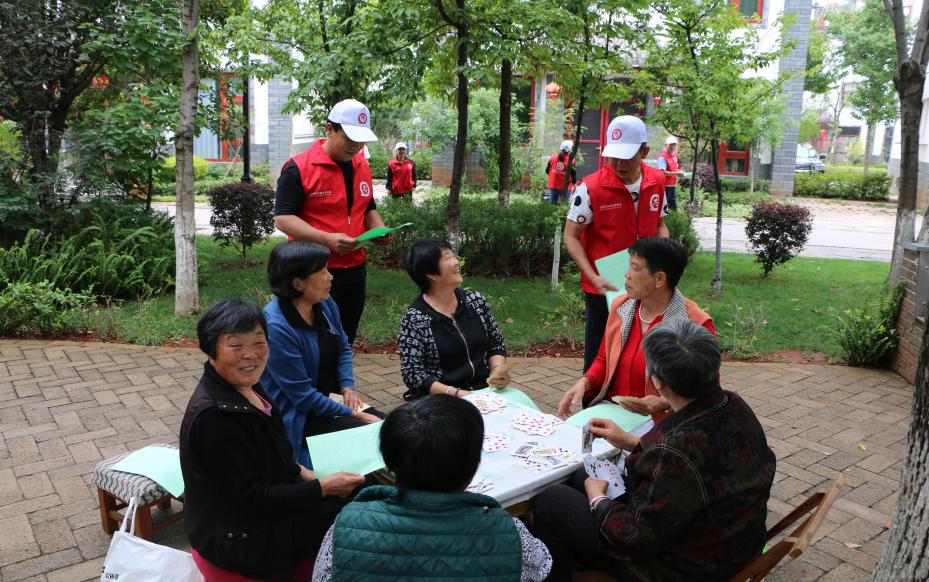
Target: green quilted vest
{"x": 427, "y": 536}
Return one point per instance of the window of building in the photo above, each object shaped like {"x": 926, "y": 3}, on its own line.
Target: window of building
{"x": 734, "y": 158}
{"x": 850, "y": 131}
{"x": 750, "y": 9}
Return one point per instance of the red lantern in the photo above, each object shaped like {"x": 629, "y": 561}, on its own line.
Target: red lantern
{"x": 552, "y": 90}
{"x": 657, "y": 100}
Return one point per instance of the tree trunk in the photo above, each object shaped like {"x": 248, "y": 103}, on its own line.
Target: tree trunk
{"x": 578, "y": 130}
{"x": 461, "y": 141}
{"x": 868, "y": 146}
{"x": 506, "y": 106}
{"x": 751, "y": 168}
{"x": 840, "y": 100}
{"x": 718, "y": 273}
{"x": 906, "y": 555}
{"x": 186, "y": 292}
{"x": 149, "y": 184}
{"x": 692, "y": 205}
{"x": 909, "y": 81}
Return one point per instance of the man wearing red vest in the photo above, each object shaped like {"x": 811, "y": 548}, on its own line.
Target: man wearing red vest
{"x": 611, "y": 209}
{"x": 401, "y": 174}
{"x": 325, "y": 195}
{"x": 667, "y": 161}
{"x": 557, "y": 170}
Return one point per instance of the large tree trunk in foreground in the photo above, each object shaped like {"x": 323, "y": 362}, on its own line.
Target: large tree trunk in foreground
{"x": 909, "y": 80}
{"x": 186, "y": 292}
{"x": 506, "y": 131}
{"x": 906, "y": 555}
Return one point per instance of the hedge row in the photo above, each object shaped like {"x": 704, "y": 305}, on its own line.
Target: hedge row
{"x": 516, "y": 241}
{"x": 842, "y": 184}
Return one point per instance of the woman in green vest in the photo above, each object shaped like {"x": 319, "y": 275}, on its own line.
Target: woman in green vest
{"x": 429, "y": 527}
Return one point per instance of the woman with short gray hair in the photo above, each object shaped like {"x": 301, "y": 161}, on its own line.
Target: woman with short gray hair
{"x": 696, "y": 485}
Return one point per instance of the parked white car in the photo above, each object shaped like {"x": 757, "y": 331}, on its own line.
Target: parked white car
{"x": 809, "y": 161}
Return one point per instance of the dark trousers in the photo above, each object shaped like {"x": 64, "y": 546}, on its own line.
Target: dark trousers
{"x": 670, "y": 195}
{"x": 595, "y": 313}
{"x": 348, "y": 291}
{"x": 563, "y": 521}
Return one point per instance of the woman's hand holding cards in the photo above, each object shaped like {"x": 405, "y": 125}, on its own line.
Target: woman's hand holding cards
{"x": 609, "y": 430}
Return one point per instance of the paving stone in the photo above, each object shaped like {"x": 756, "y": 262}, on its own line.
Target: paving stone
{"x": 40, "y": 565}
{"x": 37, "y": 485}
{"x": 84, "y": 572}
{"x": 17, "y": 542}
{"x": 53, "y": 536}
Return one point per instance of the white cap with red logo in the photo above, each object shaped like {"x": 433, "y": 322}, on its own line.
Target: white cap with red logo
{"x": 355, "y": 120}
{"x": 624, "y": 137}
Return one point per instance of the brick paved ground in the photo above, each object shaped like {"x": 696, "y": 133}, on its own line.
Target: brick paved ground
{"x": 65, "y": 406}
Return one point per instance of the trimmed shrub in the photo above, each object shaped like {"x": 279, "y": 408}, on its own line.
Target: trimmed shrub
{"x": 705, "y": 178}
{"x": 423, "y": 160}
{"x": 167, "y": 171}
{"x": 202, "y": 187}
{"x": 777, "y": 232}
{"x": 40, "y": 308}
{"x": 868, "y": 334}
{"x": 513, "y": 241}
{"x": 379, "y": 159}
{"x": 874, "y": 185}
{"x": 243, "y": 215}
{"x": 742, "y": 184}
{"x": 682, "y": 230}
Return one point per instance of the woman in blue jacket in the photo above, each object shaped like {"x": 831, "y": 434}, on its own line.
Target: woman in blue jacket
{"x": 310, "y": 357}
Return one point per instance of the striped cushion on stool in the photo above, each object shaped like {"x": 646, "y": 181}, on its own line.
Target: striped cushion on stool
{"x": 126, "y": 485}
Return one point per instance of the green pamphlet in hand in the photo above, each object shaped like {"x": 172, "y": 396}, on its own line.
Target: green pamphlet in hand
{"x": 613, "y": 268}
{"x": 355, "y": 450}
{"x": 628, "y": 421}
{"x": 160, "y": 464}
{"x": 366, "y": 237}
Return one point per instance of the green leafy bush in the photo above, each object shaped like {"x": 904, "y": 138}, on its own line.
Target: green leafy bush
{"x": 379, "y": 159}
{"x": 423, "y": 160}
{"x": 167, "y": 171}
{"x": 868, "y": 334}
{"x": 681, "y": 229}
{"x": 874, "y": 185}
{"x": 513, "y": 241}
{"x": 28, "y": 308}
{"x": 123, "y": 252}
{"x": 741, "y": 183}
{"x": 777, "y": 232}
{"x": 203, "y": 187}
{"x": 243, "y": 214}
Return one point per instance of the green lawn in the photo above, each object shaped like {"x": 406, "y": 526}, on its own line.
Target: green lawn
{"x": 794, "y": 308}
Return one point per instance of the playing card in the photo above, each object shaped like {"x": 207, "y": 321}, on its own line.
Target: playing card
{"x": 495, "y": 442}
{"x": 538, "y": 424}
{"x": 587, "y": 440}
{"x": 500, "y": 371}
{"x": 605, "y": 471}
{"x": 621, "y": 399}
{"x": 481, "y": 485}
{"x": 487, "y": 403}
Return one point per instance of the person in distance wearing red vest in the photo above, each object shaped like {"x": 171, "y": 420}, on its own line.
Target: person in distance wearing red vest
{"x": 667, "y": 161}
{"x": 325, "y": 195}
{"x": 557, "y": 170}
{"x": 612, "y": 208}
{"x": 401, "y": 174}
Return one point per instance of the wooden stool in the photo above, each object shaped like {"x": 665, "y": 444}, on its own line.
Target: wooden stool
{"x": 115, "y": 488}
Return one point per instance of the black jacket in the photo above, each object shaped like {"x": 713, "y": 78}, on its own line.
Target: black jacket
{"x": 246, "y": 508}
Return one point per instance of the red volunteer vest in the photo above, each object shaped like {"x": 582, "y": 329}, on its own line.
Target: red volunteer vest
{"x": 402, "y": 176}
{"x": 325, "y": 204}
{"x": 557, "y": 172}
{"x": 615, "y": 225}
{"x": 672, "y": 165}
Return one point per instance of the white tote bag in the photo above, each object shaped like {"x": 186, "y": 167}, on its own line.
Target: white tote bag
{"x": 132, "y": 559}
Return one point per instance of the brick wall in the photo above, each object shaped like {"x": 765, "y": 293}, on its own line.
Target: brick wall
{"x": 784, "y": 156}
{"x": 906, "y": 356}
{"x": 442, "y": 168}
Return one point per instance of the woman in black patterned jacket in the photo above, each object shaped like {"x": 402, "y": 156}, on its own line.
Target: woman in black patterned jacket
{"x": 449, "y": 342}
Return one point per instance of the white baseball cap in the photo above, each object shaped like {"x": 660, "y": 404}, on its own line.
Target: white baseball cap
{"x": 355, "y": 120}
{"x": 399, "y": 145}
{"x": 671, "y": 140}
{"x": 566, "y": 145}
{"x": 624, "y": 137}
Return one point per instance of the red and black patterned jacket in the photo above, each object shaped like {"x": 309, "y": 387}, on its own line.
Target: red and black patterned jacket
{"x": 697, "y": 489}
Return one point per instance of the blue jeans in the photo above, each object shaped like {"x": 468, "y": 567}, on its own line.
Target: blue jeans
{"x": 555, "y": 193}
{"x": 670, "y": 195}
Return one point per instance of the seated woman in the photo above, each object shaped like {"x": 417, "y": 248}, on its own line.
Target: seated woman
{"x": 428, "y": 526}
{"x": 697, "y": 485}
{"x": 449, "y": 342}
{"x": 251, "y": 512}
{"x": 311, "y": 357}
{"x": 655, "y": 267}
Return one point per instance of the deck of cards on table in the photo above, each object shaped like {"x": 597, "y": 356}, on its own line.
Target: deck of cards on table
{"x": 525, "y": 451}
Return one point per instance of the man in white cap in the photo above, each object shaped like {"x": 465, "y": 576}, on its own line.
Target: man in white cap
{"x": 667, "y": 161}
{"x": 611, "y": 209}
{"x": 401, "y": 174}
{"x": 557, "y": 170}
{"x": 325, "y": 195}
